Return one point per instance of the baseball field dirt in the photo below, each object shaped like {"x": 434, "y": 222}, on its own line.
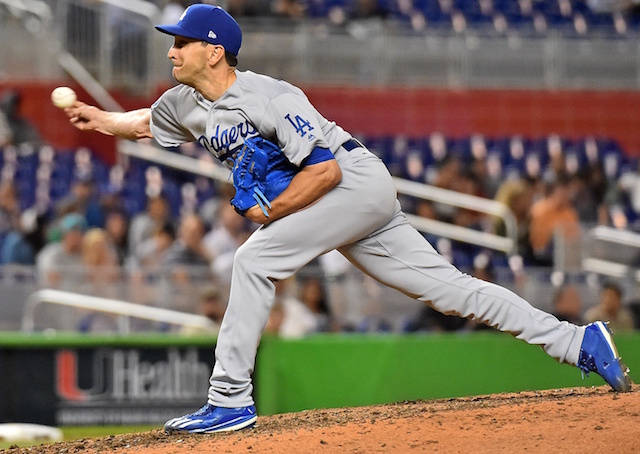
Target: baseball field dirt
{"x": 574, "y": 420}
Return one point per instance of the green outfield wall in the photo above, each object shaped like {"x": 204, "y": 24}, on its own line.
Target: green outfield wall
{"x": 74, "y": 379}
{"x": 337, "y": 371}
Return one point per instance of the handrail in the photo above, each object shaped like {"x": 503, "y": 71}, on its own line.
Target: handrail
{"x": 613, "y": 235}
{"x": 466, "y": 235}
{"x": 610, "y": 267}
{"x": 94, "y": 303}
{"x": 178, "y": 161}
{"x": 141, "y": 7}
{"x": 36, "y": 7}
{"x": 505, "y": 244}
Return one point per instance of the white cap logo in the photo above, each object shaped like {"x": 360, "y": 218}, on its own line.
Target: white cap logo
{"x": 212, "y": 35}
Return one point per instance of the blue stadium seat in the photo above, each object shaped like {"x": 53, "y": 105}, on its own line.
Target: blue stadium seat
{"x": 557, "y": 18}
{"x": 596, "y": 22}
{"x": 517, "y": 19}
{"x": 321, "y": 8}
{"x": 478, "y": 13}
{"x": 205, "y": 189}
{"x": 432, "y": 11}
{"x": 571, "y": 17}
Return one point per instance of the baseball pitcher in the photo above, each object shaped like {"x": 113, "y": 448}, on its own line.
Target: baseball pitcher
{"x": 313, "y": 188}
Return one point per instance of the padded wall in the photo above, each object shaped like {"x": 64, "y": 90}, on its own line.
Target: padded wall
{"x": 414, "y": 112}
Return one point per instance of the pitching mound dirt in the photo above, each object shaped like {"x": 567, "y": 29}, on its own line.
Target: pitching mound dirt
{"x": 574, "y": 420}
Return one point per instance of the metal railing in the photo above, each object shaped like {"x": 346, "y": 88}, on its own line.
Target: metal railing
{"x": 115, "y": 41}
{"x": 353, "y": 298}
{"x": 612, "y": 252}
{"x": 507, "y": 244}
{"x": 125, "y": 310}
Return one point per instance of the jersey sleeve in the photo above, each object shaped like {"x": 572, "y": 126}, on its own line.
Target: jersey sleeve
{"x": 296, "y": 124}
{"x": 165, "y": 124}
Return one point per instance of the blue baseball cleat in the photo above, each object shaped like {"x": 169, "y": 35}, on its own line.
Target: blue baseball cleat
{"x": 211, "y": 419}
{"x": 598, "y": 354}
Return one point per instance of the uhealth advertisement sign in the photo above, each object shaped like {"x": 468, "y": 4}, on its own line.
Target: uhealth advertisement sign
{"x": 102, "y": 386}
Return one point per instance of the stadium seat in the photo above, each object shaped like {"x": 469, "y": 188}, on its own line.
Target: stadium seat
{"x": 570, "y": 17}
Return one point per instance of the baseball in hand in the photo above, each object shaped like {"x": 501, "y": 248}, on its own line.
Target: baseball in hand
{"x": 63, "y": 97}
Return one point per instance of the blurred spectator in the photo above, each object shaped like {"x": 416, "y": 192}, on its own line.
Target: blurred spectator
{"x": 145, "y": 265}
{"x": 308, "y": 313}
{"x": 82, "y": 198}
{"x": 518, "y": 196}
{"x": 145, "y": 223}
{"x": 289, "y": 8}
{"x": 453, "y": 175}
{"x": 21, "y": 245}
{"x": 449, "y": 170}
{"x": 610, "y": 309}
{"x": 344, "y": 290}
{"x": 102, "y": 274}
{"x": 212, "y": 306}
{"x": 151, "y": 252}
{"x": 634, "y": 308}
{"x": 430, "y": 320}
{"x": 554, "y": 213}
{"x": 567, "y": 304}
{"x": 188, "y": 252}
{"x": 629, "y": 188}
{"x": 276, "y": 316}
{"x": 5, "y": 130}
{"x": 22, "y": 131}
{"x": 9, "y": 207}
{"x": 101, "y": 261}
{"x": 425, "y": 208}
{"x": 467, "y": 184}
{"x": 483, "y": 268}
{"x": 368, "y": 9}
{"x": 278, "y": 311}
{"x": 224, "y": 239}
{"x": 59, "y": 264}
{"x": 116, "y": 226}
{"x": 587, "y": 193}
{"x": 249, "y": 8}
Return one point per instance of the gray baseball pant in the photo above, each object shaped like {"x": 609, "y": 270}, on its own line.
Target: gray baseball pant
{"x": 362, "y": 218}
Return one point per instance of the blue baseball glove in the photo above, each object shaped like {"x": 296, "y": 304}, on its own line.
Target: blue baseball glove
{"x": 260, "y": 173}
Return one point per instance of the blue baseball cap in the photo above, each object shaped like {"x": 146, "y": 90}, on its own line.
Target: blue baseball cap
{"x": 207, "y": 23}
{"x": 73, "y": 221}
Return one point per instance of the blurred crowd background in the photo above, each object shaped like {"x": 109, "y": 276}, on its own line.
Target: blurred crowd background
{"x": 138, "y": 231}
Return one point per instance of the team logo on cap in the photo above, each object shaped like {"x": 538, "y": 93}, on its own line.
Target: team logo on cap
{"x": 212, "y": 34}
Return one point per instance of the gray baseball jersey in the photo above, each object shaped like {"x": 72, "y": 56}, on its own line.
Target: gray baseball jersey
{"x": 360, "y": 217}
{"x": 253, "y": 105}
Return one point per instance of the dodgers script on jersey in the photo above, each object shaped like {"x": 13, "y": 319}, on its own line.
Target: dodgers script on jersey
{"x": 254, "y": 105}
